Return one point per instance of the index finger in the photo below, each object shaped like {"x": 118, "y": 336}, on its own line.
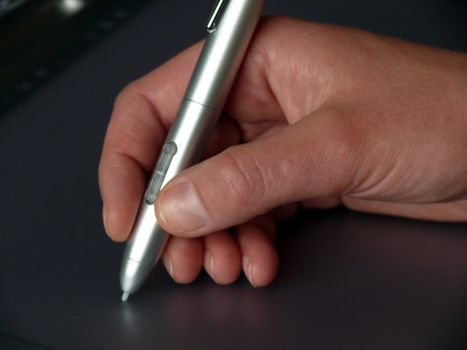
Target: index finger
{"x": 142, "y": 113}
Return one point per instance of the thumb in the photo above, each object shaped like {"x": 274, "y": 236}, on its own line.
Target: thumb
{"x": 310, "y": 159}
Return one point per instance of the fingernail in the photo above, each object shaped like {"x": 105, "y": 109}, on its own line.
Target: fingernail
{"x": 170, "y": 269}
{"x": 248, "y": 267}
{"x": 210, "y": 262}
{"x": 104, "y": 219}
{"x": 181, "y": 209}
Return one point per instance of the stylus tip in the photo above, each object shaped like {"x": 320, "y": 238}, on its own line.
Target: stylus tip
{"x": 125, "y": 296}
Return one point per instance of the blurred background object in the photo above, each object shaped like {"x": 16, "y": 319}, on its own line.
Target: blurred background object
{"x": 39, "y": 38}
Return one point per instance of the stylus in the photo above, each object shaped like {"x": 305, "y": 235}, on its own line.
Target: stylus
{"x": 230, "y": 29}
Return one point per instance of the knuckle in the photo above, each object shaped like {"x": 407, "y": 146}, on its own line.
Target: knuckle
{"x": 344, "y": 144}
{"x": 126, "y": 94}
{"x": 342, "y": 137}
{"x": 245, "y": 179}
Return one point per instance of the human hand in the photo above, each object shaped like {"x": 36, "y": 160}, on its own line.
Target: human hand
{"x": 319, "y": 116}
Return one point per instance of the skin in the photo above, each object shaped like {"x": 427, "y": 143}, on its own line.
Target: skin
{"x": 319, "y": 116}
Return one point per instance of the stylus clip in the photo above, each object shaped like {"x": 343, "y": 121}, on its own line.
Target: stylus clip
{"x": 216, "y": 13}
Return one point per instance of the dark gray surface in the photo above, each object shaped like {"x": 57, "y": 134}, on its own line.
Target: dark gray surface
{"x": 347, "y": 281}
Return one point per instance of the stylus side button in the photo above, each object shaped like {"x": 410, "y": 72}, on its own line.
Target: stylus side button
{"x": 168, "y": 152}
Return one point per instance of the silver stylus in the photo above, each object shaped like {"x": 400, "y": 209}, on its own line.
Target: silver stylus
{"x": 230, "y": 29}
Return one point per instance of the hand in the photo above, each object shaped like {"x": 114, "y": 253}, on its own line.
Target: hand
{"x": 319, "y": 116}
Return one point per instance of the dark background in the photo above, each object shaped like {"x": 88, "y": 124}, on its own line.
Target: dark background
{"x": 347, "y": 280}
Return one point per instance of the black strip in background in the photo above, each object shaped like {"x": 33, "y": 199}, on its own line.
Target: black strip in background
{"x": 37, "y": 41}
